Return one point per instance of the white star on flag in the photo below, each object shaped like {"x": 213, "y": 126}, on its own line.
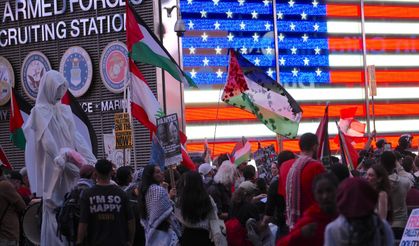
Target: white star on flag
{"x": 291, "y": 3}
{"x": 242, "y": 26}
{"x": 190, "y": 25}
{"x": 204, "y": 37}
{"x": 192, "y": 50}
{"x": 294, "y": 72}
{"x": 280, "y": 15}
{"x": 217, "y": 25}
{"x": 281, "y": 37}
{"x": 241, "y": 2}
{"x": 292, "y": 26}
{"x": 254, "y": 14}
{"x": 306, "y": 61}
{"x": 293, "y": 50}
{"x": 255, "y": 37}
{"x": 317, "y": 51}
{"x": 243, "y": 50}
{"x": 318, "y": 72}
{"x": 315, "y": 3}
{"x": 267, "y": 26}
{"x": 266, "y": 2}
{"x": 316, "y": 27}
{"x": 230, "y": 37}
{"x": 189, "y": 2}
{"x": 203, "y": 13}
{"x": 270, "y": 72}
{"x": 304, "y": 16}
{"x": 304, "y": 37}
{"x": 282, "y": 61}
{"x": 215, "y": 2}
{"x": 229, "y": 14}
{"x": 257, "y": 61}
{"x": 219, "y": 73}
{"x": 205, "y": 61}
{"x": 193, "y": 73}
{"x": 218, "y": 50}
{"x": 269, "y": 51}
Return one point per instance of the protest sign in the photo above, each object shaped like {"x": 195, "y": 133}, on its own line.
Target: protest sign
{"x": 116, "y": 156}
{"x": 123, "y": 138}
{"x": 411, "y": 231}
{"x": 168, "y": 135}
{"x": 264, "y": 157}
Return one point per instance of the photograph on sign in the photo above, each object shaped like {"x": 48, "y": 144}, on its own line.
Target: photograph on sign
{"x": 264, "y": 158}
{"x": 168, "y": 135}
{"x": 123, "y": 133}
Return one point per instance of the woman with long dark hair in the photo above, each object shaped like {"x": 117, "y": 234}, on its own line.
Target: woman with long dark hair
{"x": 193, "y": 210}
{"x": 156, "y": 209}
{"x": 377, "y": 176}
{"x": 357, "y": 223}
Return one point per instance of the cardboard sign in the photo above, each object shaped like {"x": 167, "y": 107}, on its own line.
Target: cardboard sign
{"x": 371, "y": 79}
{"x": 168, "y": 135}
{"x": 116, "y": 156}
{"x": 123, "y": 133}
{"x": 411, "y": 231}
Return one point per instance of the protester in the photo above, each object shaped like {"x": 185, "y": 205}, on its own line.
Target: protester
{"x": 51, "y": 172}
{"x": 357, "y": 223}
{"x": 133, "y": 191}
{"x": 105, "y": 215}
{"x": 275, "y": 205}
{"x": 377, "y": 177}
{"x": 220, "y": 189}
{"x": 405, "y": 143}
{"x": 12, "y": 207}
{"x": 340, "y": 171}
{"x": 296, "y": 178}
{"x": 249, "y": 173}
{"x": 25, "y": 190}
{"x": 408, "y": 169}
{"x": 207, "y": 174}
{"x": 274, "y": 170}
{"x": 194, "y": 209}
{"x": 364, "y": 165}
{"x": 398, "y": 193}
{"x": 156, "y": 209}
{"x": 309, "y": 229}
{"x": 123, "y": 177}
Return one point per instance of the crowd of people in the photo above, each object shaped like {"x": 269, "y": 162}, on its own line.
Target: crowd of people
{"x": 223, "y": 204}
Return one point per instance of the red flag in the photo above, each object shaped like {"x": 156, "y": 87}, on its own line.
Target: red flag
{"x": 349, "y": 155}
{"x": 3, "y": 159}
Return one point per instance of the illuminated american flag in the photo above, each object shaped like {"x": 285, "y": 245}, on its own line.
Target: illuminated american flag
{"x": 320, "y": 58}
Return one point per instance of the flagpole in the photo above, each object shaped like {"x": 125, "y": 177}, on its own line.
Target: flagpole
{"x": 364, "y": 61}
{"x": 278, "y": 137}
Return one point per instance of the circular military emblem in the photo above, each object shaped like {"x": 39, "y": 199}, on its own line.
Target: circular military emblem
{"x": 76, "y": 66}
{"x": 113, "y": 66}
{"x": 34, "y": 67}
{"x": 7, "y": 80}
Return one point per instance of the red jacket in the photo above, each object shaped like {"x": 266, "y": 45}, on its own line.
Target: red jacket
{"x": 312, "y": 215}
{"x": 311, "y": 170}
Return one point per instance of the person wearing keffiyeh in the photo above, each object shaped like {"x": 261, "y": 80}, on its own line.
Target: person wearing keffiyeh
{"x": 296, "y": 177}
{"x": 156, "y": 210}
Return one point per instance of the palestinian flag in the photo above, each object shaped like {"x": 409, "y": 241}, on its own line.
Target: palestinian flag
{"x": 322, "y": 133}
{"x": 146, "y": 109}
{"x": 251, "y": 89}
{"x": 145, "y": 47}
{"x": 3, "y": 159}
{"x": 349, "y": 155}
{"x": 81, "y": 121}
{"x": 19, "y": 112}
{"x": 241, "y": 152}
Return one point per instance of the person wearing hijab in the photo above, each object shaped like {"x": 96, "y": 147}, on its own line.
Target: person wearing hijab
{"x": 51, "y": 136}
{"x": 357, "y": 223}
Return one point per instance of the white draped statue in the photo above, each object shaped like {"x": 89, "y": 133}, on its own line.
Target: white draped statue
{"x": 49, "y": 130}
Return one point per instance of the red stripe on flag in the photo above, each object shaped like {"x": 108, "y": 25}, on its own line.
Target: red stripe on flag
{"x": 373, "y": 11}
{"x": 374, "y": 44}
{"x": 228, "y": 113}
{"x": 387, "y": 76}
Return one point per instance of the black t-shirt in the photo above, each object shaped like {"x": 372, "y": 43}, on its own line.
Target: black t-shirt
{"x": 106, "y": 211}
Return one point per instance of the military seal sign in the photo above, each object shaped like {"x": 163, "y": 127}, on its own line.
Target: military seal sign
{"x": 7, "y": 80}
{"x": 76, "y": 66}
{"x": 34, "y": 67}
{"x": 113, "y": 66}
